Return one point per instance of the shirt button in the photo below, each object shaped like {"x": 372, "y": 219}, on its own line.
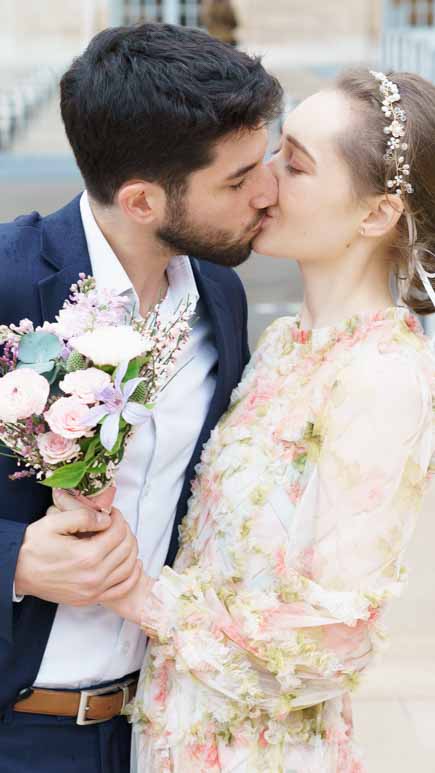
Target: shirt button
{"x": 147, "y": 489}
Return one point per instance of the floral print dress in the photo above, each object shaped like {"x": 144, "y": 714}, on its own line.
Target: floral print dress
{"x": 306, "y": 497}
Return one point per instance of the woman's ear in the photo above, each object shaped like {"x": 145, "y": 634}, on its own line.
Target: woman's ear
{"x": 142, "y": 201}
{"x": 383, "y": 217}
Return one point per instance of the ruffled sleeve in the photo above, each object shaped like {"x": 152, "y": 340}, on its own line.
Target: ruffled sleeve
{"x": 305, "y": 632}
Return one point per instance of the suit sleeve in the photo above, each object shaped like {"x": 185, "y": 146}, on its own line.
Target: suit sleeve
{"x": 11, "y": 539}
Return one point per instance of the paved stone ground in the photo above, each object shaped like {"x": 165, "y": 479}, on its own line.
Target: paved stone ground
{"x": 395, "y": 710}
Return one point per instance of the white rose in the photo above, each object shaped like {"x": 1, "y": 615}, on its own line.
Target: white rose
{"x": 23, "y": 392}
{"x": 110, "y": 345}
{"x": 85, "y": 384}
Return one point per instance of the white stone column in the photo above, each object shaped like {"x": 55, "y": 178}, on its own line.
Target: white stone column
{"x": 171, "y": 11}
{"x": 8, "y": 32}
{"x": 88, "y": 14}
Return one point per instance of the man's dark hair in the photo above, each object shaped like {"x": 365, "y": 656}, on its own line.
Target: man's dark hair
{"x": 151, "y": 101}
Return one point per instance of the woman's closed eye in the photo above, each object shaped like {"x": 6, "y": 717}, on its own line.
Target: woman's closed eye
{"x": 293, "y": 167}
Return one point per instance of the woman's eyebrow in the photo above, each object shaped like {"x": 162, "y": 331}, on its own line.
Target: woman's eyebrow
{"x": 301, "y": 147}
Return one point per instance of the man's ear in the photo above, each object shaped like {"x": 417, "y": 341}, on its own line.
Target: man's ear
{"x": 142, "y": 201}
{"x": 383, "y": 216}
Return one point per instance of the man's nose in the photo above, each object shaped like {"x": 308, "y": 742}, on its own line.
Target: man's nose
{"x": 268, "y": 190}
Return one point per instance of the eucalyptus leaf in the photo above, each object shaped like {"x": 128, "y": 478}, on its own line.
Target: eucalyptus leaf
{"x": 68, "y": 476}
{"x": 39, "y": 367}
{"x": 38, "y": 351}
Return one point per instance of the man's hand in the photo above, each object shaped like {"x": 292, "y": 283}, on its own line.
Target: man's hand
{"x": 56, "y": 566}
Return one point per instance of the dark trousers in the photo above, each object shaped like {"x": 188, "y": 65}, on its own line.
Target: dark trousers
{"x": 33, "y": 743}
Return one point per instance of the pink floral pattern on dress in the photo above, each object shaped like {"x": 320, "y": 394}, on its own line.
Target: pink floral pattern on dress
{"x": 307, "y": 496}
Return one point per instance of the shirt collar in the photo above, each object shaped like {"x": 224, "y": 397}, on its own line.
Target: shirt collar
{"x": 106, "y": 268}
{"x": 109, "y": 273}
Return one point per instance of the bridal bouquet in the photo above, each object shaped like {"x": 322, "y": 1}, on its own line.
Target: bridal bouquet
{"x": 72, "y": 391}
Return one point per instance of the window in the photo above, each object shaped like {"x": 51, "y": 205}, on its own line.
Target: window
{"x": 416, "y": 12}
{"x": 185, "y": 12}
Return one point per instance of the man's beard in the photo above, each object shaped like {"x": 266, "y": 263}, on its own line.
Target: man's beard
{"x": 213, "y": 244}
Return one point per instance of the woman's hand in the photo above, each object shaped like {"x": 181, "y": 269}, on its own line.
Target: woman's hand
{"x": 131, "y": 605}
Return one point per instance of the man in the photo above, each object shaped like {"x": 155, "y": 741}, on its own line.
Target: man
{"x": 168, "y": 129}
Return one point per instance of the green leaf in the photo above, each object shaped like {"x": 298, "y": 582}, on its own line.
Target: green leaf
{"x": 85, "y": 442}
{"x": 133, "y": 369}
{"x": 100, "y": 468}
{"x": 107, "y": 369}
{"x": 117, "y": 445}
{"x": 39, "y": 348}
{"x": 93, "y": 445}
{"x": 68, "y": 476}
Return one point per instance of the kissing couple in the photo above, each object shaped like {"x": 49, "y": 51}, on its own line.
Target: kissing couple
{"x": 227, "y": 607}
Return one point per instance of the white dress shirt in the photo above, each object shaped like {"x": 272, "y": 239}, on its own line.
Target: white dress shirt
{"x": 90, "y": 645}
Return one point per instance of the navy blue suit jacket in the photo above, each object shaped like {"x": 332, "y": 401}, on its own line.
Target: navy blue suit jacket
{"x": 40, "y": 257}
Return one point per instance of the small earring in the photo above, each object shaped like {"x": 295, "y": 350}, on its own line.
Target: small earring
{"x": 362, "y": 231}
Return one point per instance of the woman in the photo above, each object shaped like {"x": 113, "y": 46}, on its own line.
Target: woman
{"x": 309, "y": 488}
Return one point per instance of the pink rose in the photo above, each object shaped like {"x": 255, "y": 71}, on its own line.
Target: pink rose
{"x": 55, "y": 448}
{"x": 65, "y": 417}
{"x": 23, "y": 392}
{"x": 85, "y": 384}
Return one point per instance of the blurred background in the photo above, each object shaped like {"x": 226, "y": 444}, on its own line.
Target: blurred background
{"x": 305, "y": 43}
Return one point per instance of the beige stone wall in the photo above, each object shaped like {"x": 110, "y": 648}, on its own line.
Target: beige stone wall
{"x": 48, "y": 31}
{"x": 281, "y": 21}
{"x": 54, "y": 30}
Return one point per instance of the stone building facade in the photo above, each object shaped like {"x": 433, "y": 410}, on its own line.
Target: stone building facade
{"x": 282, "y": 21}
{"x": 49, "y": 31}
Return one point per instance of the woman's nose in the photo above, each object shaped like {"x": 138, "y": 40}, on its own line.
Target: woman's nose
{"x": 267, "y": 195}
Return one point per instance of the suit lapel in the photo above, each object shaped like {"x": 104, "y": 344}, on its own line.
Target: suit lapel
{"x": 214, "y": 301}
{"x": 65, "y": 251}
{"x": 228, "y": 373}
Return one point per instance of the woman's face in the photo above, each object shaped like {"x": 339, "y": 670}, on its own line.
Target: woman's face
{"x": 317, "y": 215}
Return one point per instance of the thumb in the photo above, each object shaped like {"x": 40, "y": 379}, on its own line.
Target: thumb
{"x": 65, "y": 501}
{"x": 81, "y": 520}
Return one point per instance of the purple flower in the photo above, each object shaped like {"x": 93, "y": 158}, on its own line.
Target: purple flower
{"x": 115, "y": 399}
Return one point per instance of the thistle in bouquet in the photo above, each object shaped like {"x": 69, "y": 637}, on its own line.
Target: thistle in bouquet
{"x": 72, "y": 391}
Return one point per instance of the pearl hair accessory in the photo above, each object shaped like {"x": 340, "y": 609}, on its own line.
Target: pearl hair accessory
{"x": 396, "y": 145}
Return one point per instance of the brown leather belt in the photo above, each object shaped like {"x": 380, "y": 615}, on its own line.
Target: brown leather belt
{"x": 88, "y": 706}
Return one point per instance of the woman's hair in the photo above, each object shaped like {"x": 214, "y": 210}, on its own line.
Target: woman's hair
{"x": 364, "y": 150}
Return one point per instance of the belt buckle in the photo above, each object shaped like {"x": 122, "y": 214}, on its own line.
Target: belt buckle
{"x": 86, "y": 694}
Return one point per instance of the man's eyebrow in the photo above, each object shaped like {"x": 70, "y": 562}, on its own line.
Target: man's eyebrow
{"x": 240, "y": 172}
{"x": 301, "y": 147}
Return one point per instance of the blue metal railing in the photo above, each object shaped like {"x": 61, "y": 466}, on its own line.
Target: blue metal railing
{"x": 21, "y": 97}
{"x": 408, "y": 41}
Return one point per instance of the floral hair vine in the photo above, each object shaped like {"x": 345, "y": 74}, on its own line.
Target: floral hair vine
{"x": 396, "y": 145}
